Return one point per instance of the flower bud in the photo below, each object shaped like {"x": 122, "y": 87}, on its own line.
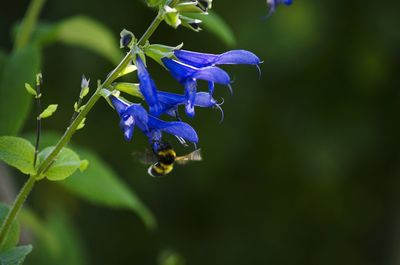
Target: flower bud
{"x": 127, "y": 39}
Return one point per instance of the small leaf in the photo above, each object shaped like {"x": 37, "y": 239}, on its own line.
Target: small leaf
{"x": 158, "y": 51}
{"x": 129, "y": 69}
{"x": 15, "y": 256}
{"x": 81, "y": 108}
{"x": 13, "y": 234}
{"x": 49, "y": 111}
{"x": 172, "y": 17}
{"x": 17, "y": 152}
{"x": 84, "y": 93}
{"x": 30, "y": 89}
{"x": 191, "y": 23}
{"x": 20, "y": 68}
{"x": 129, "y": 88}
{"x": 65, "y": 164}
{"x": 155, "y": 3}
{"x": 88, "y": 33}
{"x": 189, "y": 7}
{"x": 216, "y": 25}
{"x": 39, "y": 79}
{"x": 84, "y": 165}
{"x": 82, "y": 124}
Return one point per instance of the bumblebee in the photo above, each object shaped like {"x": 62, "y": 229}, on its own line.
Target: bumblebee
{"x": 164, "y": 158}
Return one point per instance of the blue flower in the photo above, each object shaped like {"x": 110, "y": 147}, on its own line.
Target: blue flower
{"x": 135, "y": 115}
{"x": 148, "y": 88}
{"x": 195, "y": 65}
{"x": 200, "y": 60}
{"x": 188, "y": 75}
{"x": 171, "y": 101}
{"x": 272, "y": 4}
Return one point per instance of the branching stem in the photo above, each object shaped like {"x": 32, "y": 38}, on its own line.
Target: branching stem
{"x": 27, "y": 188}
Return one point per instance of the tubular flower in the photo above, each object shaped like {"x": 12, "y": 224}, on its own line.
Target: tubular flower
{"x": 188, "y": 75}
{"x": 272, "y": 4}
{"x": 148, "y": 88}
{"x": 171, "y": 101}
{"x": 200, "y": 60}
{"x": 135, "y": 115}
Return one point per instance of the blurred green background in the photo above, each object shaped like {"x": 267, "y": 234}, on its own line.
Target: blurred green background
{"x": 303, "y": 170}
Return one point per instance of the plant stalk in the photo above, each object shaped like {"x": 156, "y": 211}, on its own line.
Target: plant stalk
{"x": 19, "y": 201}
{"x": 27, "y": 188}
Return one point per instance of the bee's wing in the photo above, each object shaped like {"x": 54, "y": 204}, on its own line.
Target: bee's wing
{"x": 147, "y": 157}
{"x": 193, "y": 156}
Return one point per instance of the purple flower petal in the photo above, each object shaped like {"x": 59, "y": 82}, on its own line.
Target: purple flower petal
{"x": 196, "y": 59}
{"x": 118, "y": 104}
{"x": 238, "y": 57}
{"x": 213, "y": 74}
{"x": 139, "y": 115}
{"x": 204, "y": 100}
{"x": 200, "y": 60}
{"x": 177, "y": 128}
{"x": 148, "y": 88}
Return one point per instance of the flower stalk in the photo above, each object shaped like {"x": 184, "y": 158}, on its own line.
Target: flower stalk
{"x": 12, "y": 214}
{"x": 44, "y": 166}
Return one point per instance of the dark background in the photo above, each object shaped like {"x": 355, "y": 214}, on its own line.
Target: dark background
{"x": 303, "y": 170}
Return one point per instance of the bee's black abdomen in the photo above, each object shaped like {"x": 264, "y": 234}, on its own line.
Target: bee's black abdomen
{"x": 159, "y": 169}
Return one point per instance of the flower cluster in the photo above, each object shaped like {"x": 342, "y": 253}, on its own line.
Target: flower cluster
{"x": 187, "y": 68}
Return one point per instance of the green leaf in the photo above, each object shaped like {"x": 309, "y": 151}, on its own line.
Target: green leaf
{"x": 49, "y": 111}
{"x": 188, "y": 7}
{"x": 82, "y": 124}
{"x": 91, "y": 34}
{"x": 30, "y": 89}
{"x": 30, "y": 221}
{"x": 158, "y": 51}
{"x": 17, "y": 152}
{"x": 216, "y": 25}
{"x": 3, "y": 60}
{"x": 100, "y": 185}
{"x": 20, "y": 68}
{"x": 13, "y": 234}
{"x": 57, "y": 240}
{"x": 129, "y": 88}
{"x": 172, "y": 17}
{"x": 155, "y": 3}
{"x": 65, "y": 164}
{"x": 15, "y": 256}
{"x": 84, "y": 92}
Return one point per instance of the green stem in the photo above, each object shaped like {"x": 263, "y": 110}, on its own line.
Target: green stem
{"x": 72, "y": 129}
{"x": 28, "y": 23}
{"x": 156, "y": 22}
{"x": 19, "y": 201}
{"x": 96, "y": 96}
